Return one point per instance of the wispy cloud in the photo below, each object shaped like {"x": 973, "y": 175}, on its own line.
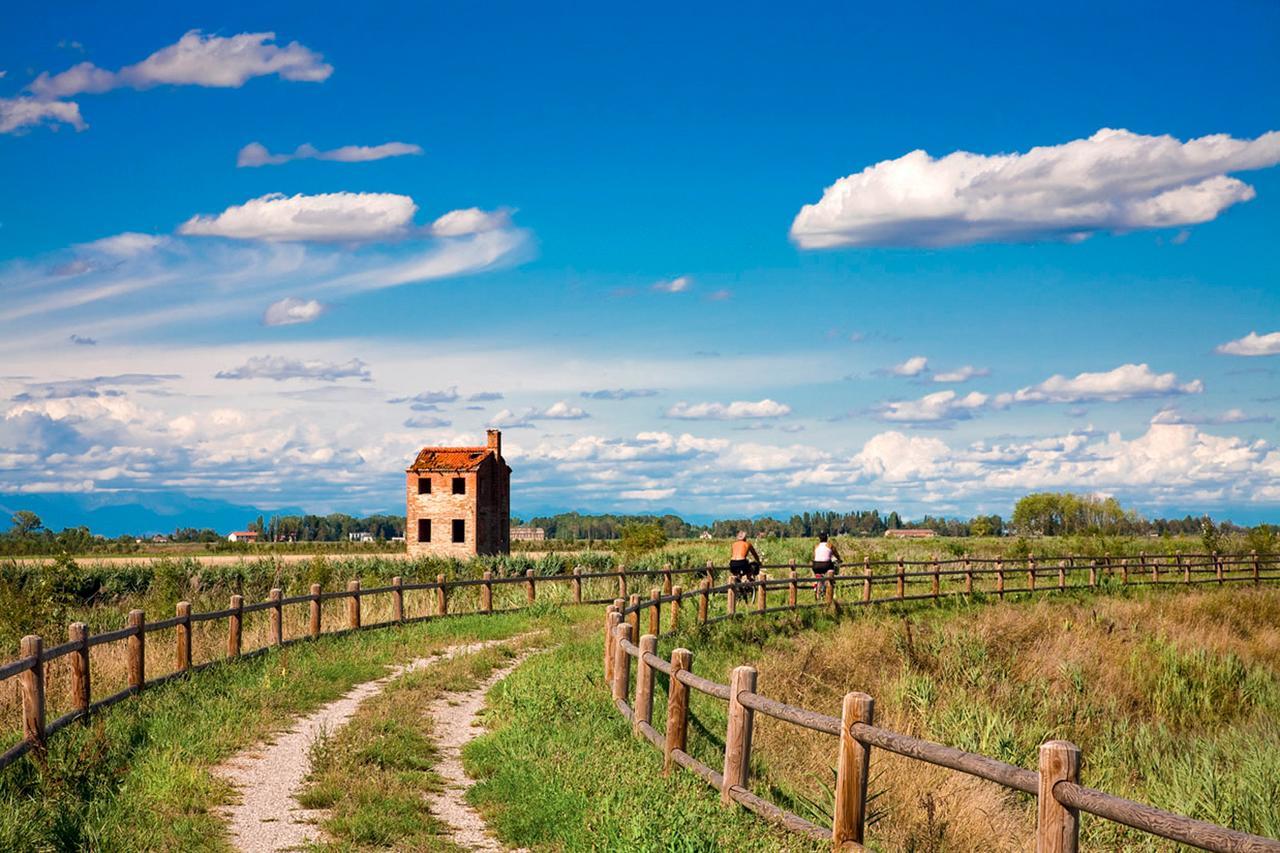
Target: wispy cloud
{"x": 518, "y": 418}
{"x": 737, "y": 410}
{"x": 292, "y": 310}
{"x": 674, "y": 285}
{"x": 429, "y": 398}
{"x": 619, "y": 393}
{"x": 280, "y": 368}
{"x": 256, "y": 154}
{"x": 961, "y": 374}
{"x": 485, "y": 396}
{"x": 913, "y": 366}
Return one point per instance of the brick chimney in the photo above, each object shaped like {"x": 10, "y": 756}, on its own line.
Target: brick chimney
{"x": 495, "y": 441}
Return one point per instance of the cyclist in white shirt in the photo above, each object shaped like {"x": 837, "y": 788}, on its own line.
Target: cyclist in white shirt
{"x": 825, "y": 558}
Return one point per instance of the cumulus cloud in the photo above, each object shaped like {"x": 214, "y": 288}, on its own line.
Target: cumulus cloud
{"x": 674, "y": 285}
{"x": 327, "y": 217}
{"x": 1126, "y": 382}
{"x": 471, "y": 220}
{"x": 1252, "y": 344}
{"x": 737, "y": 410}
{"x": 913, "y": 366}
{"x": 961, "y": 374}
{"x": 1113, "y": 181}
{"x": 280, "y": 368}
{"x": 256, "y": 154}
{"x": 523, "y": 418}
{"x": 194, "y": 60}
{"x": 933, "y": 408}
{"x": 291, "y": 310}
{"x": 619, "y": 393}
{"x": 19, "y": 114}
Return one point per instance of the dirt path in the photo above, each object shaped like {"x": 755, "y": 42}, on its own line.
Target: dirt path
{"x": 268, "y": 776}
{"x": 456, "y": 724}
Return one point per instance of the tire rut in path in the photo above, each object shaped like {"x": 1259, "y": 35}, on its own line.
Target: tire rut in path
{"x": 455, "y": 725}
{"x": 269, "y": 776}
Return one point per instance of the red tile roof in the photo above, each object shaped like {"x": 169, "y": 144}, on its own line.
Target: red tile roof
{"x": 449, "y": 458}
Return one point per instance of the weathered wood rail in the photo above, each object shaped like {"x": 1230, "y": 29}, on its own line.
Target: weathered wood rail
{"x": 1060, "y": 798}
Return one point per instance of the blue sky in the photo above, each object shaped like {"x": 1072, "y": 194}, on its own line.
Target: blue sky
{"x": 716, "y": 211}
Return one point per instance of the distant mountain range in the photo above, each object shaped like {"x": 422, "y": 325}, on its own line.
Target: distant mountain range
{"x": 111, "y": 514}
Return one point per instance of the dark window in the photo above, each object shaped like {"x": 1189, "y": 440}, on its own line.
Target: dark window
{"x": 424, "y": 485}
{"x": 459, "y": 485}
{"x": 424, "y": 530}
{"x": 459, "y": 530}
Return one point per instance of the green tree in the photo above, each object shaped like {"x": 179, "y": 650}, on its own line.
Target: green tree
{"x": 25, "y": 521}
{"x": 640, "y": 538}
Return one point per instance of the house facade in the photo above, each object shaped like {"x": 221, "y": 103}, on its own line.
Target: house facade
{"x": 458, "y": 501}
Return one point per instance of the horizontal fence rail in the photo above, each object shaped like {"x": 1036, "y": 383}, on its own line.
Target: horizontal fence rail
{"x": 1060, "y": 798}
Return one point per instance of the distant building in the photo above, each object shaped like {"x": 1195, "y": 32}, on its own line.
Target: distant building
{"x": 909, "y": 534}
{"x": 458, "y": 501}
{"x": 361, "y": 536}
{"x": 528, "y": 534}
{"x": 706, "y": 534}
{"x": 242, "y": 536}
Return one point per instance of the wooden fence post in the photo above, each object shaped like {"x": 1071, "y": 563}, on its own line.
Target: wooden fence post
{"x": 999, "y": 578}
{"x": 622, "y": 581}
{"x": 666, "y": 579}
{"x": 442, "y": 597}
{"x": 655, "y": 611}
{"x": 577, "y": 584}
{"x": 730, "y": 601}
{"x": 611, "y": 620}
{"x": 711, "y": 572}
{"x": 633, "y": 618}
{"x": 831, "y": 589}
{"x": 78, "y": 632}
{"x": 1031, "y": 573}
{"x": 1124, "y": 570}
{"x": 762, "y": 593}
{"x": 1186, "y": 569}
{"x": 1155, "y": 570}
{"x": 677, "y": 591}
{"x": 1257, "y": 568}
{"x": 737, "y": 737}
{"x": 233, "y": 626}
{"x": 852, "y": 769}
{"x": 353, "y": 604}
{"x": 277, "y": 618}
{"x": 1057, "y": 827}
{"x": 530, "y": 589}
{"x": 704, "y": 601}
{"x": 677, "y": 708}
{"x": 486, "y": 593}
{"x": 31, "y": 684}
{"x": 621, "y": 662}
{"x": 315, "y": 610}
{"x": 137, "y": 650}
{"x": 1217, "y": 566}
{"x": 644, "y": 683}
{"x": 968, "y": 576}
{"x": 183, "y": 635}
{"x": 397, "y": 598}
{"x": 1062, "y": 575}
{"x": 902, "y": 580}
{"x": 1093, "y": 573}
{"x": 937, "y": 580}
{"x": 866, "y": 579}
{"x": 793, "y": 589}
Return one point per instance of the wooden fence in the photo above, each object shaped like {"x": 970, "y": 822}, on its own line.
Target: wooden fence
{"x": 1060, "y": 798}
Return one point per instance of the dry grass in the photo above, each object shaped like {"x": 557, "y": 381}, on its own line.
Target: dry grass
{"x": 1115, "y": 675}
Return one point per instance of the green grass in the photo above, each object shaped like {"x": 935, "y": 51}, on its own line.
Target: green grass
{"x": 138, "y": 776}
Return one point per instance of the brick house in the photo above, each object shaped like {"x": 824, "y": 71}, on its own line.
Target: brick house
{"x": 458, "y": 501}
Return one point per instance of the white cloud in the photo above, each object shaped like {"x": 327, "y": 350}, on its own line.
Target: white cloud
{"x": 1126, "y": 382}
{"x": 736, "y": 410}
{"x": 619, "y": 393}
{"x": 518, "y": 418}
{"x": 327, "y": 217}
{"x": 646, "y": 494}
{"x": 675, "y": 285}
{"x": 281, "y": 368}
{"x": 913, "y": 366}
{"x": 471, "y": 220}
{"x": 1113, "y": 181}
{"x": 125, "y": 245}
{"x": 894, "y": 457}
{"x": 429, "y": 398}
{"x": 256, "y": 154}
{"x": 18, "y": 114}
{"x": 562, "y": 411}
{"x": 291, "y": 310}
{"x": 1252, "y": 344}
{"x": 194, "y": 60}
{"x": 1171, "y": 415}
{"x": 961, "y": 374}
{"x": 933, "y": 408}
{"x": 427, "y": 422}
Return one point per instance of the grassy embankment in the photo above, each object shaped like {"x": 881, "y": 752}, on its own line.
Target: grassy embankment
{"x": 138, "y": 777}
{"x": 1174, "y": 697}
